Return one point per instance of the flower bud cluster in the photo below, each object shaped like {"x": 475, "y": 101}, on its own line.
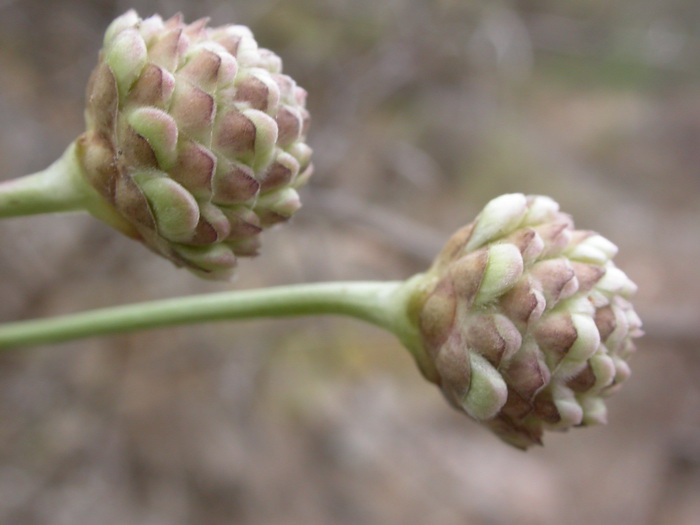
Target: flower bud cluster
{"x": 195, "y": 137}
{"x": 527, "y": 321}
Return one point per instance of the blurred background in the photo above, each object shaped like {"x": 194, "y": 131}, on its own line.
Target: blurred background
{"x": 422, "y": 111}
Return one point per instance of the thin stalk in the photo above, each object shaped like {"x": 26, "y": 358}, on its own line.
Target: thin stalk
{"x": 62, "y": 187}
{"x": 380, "y": 303}
{"x": 58, "y": 188}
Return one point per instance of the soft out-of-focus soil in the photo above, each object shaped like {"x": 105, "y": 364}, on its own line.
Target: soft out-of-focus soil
{"x": 422, "y": 111}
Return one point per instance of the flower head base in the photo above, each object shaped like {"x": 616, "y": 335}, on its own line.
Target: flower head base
{"x": 526, "y": 322}
{"x": 195, "y": 138}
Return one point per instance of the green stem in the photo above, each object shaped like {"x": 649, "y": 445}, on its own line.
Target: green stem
{"x": 58, "y": 188}
{"x": 62, "y": 187}
{"x": 384, "y": 304}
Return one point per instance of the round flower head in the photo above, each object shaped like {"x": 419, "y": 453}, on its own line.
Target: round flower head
{"x": 526, "y": 322}
{"x": 195, "y": 138}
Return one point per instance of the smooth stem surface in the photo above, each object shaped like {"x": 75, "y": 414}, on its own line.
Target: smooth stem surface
{"x": 62, "y": 187}
{"x": 380, "y": 303}
{"x": 58, "y": 188}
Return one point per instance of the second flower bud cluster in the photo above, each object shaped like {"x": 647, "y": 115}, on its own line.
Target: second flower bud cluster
{"x": 527, "y": 321}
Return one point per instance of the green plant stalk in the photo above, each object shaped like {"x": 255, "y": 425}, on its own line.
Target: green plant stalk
{"x": 58, "y": 188}
{"x": 62, "y": 187}
{"x": 385, "y": 304}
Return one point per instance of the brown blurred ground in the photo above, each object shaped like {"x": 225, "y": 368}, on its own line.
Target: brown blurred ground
{"x": 422, "y": 111}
